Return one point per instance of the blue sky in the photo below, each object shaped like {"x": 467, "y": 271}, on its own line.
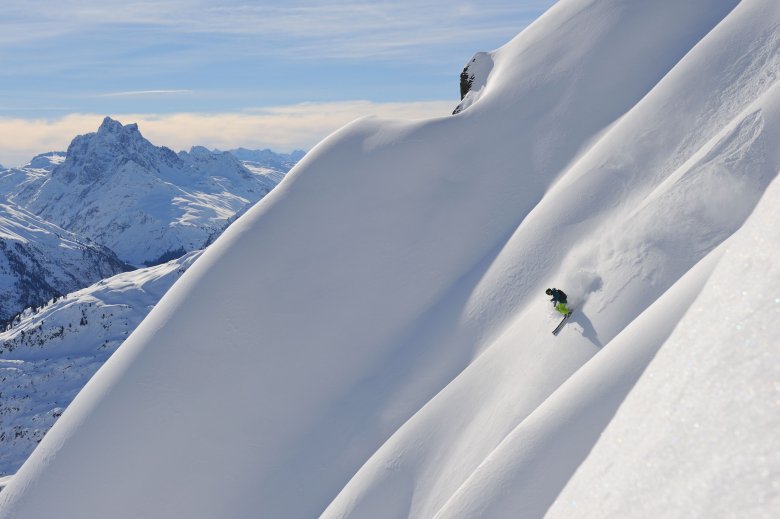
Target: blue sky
{"x": 279, "y": 74}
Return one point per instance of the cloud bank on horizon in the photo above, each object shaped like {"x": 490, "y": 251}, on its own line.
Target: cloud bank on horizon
{"x": 213, "y": 64}
{"x": 281, "y": 128}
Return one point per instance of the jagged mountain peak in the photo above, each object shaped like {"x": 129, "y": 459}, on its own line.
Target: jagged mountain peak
{"x": 113, "y": 126}
{"x": 114, "y": 132}
{"x": 96, "y": 156}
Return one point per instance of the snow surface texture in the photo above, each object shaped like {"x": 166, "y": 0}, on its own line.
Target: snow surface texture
{"x": 49, "y": 355}
{"x": 373, "y": 339}
{"x": 710, "y": 400}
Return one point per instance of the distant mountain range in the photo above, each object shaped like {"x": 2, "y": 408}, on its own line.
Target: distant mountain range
{"x": 267, "y": 158}
{"x": 118, "y": 202}
{"x": 145, "y": 202}
{"x": 74, "y": 228}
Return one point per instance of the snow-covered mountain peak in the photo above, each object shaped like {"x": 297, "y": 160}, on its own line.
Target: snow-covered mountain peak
{"x": 268, "y": 158}
{"x": 112, "y": 126}
{"x": 113, "y": 130}
{"x": 94, "y": 157}
{"x": 199, "y": 151}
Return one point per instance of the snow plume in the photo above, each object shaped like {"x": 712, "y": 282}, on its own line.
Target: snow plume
{"x": 581, "y": 283}
{"x": 372, "y": 339}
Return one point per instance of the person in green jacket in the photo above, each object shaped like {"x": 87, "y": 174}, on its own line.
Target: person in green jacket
{"x": 558, "y": 300}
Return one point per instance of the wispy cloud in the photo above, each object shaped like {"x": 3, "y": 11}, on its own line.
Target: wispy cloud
{"x": 339, "y": 29}
{"x": 282, "y": 128}
{"x": 144, "y": 93}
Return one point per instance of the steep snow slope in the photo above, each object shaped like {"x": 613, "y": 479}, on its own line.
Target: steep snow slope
{"x": 144, "y": 202}
{"x": 522, "y": 476}
{"x": 48, "y": 356}
{"x": 39, "y": 261}
{"x": 641, "y": 206}
{"x": 697, "y": 437}
{"x": 372, "y": 339}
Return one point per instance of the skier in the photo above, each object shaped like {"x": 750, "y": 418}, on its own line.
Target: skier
{"x": 558, "y": 300}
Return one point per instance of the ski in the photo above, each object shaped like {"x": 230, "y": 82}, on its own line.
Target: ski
{"x": 560, "y": 325}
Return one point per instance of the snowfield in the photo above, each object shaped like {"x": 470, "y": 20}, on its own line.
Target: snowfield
{"x": 372, "y": 339}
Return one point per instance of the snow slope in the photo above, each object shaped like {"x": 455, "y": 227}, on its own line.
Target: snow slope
{"x": 373, "y": 339}
{"x": 39, "y": 261}
{"x": 697, "y": 437}
{"x": 49, "y": 355}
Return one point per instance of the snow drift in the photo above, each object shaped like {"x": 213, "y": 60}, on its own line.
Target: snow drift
{"x": 373, "y": 339}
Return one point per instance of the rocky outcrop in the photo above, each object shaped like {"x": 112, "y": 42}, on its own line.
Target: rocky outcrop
{"x": 473, "y": 79}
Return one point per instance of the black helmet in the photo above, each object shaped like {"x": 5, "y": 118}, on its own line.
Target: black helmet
{"x": 548, "y": 291}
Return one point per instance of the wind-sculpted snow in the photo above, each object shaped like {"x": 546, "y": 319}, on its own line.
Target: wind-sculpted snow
{"x": 373, "y": 339}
